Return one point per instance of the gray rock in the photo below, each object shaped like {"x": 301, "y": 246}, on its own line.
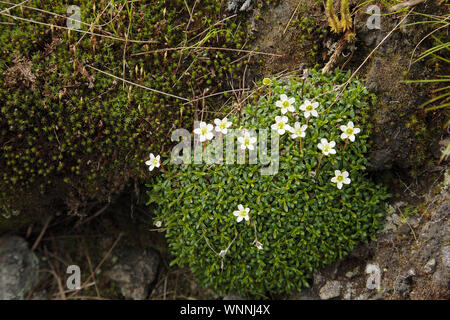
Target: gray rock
{"x": 134, "y": 271}
{"x": 349, "y": 292}
{"x": 18, "y": 268}
{"x": 429, "y": 266}
{"x": 331, "y": 289}
{"x": 446, "y": 256}
{"x": 440, "y": 279}
{"x": 239, "y": 5}
{"x": 404, "y": 283}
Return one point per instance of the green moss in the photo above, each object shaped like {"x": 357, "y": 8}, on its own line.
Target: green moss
{"x": 69, "y": 129}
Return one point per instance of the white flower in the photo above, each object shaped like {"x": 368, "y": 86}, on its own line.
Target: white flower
{"x": 247, "y": 141}
{"x": 285, "y": 103}
{"x": 222, "y": 125}
{"x": 258, "y": 244}
{"x": 153, "y": 162}
{"x": 281, "y": 124}
{"x": 327, "y": 147}
{"x": 340, "y": 178}
{"x": 298, "y": 130}
{"x": 158, "y": 224}
{"x": 222, "y": 253}
{"x": 309, "y": 109}
{"x": 204, "y": 131}
{"x": 242, "y": 213}
{"x": 349, "y": 131}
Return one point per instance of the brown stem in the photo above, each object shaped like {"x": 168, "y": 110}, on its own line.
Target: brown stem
{"x": 301, "y": 150}
{"x": 162, "y": 166}
{"x": 345, "y": 145}
{"x": 318, "y": 165}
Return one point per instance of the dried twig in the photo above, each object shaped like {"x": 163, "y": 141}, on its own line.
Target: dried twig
{"x": 406, "y": 4}
{"x": 36, "y": 243}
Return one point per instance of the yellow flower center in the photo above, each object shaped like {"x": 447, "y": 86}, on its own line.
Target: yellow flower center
{"x": 222, "y": 125}
{"x": 281, "y": 125}
{"x": 243, "y": 213}
{"x": 340, "y": 178}
{"x": 204, "y": 131}
{"x": 309, "y": 107}
{"x": 286, "y": 103}
{"x": 349, "y": 131}
{"x": 326, "y": 148}
{"x": 246, "y": 141}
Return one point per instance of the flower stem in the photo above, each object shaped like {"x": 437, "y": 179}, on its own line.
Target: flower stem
{"x": 318, "y": 165}
{"x": 162, "y": 166}
{"x": 345, "y": 145}
{"x": 301, "y": 150}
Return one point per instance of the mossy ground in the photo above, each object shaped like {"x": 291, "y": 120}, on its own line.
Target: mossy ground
{"x": 48, "y": 49}
{"x": 73, "y": 134}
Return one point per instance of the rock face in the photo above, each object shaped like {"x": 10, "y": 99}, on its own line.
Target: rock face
{"x": 18, "y": 268}
{"x": 134, "y": 271}
{"x": 331, "y": 289}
